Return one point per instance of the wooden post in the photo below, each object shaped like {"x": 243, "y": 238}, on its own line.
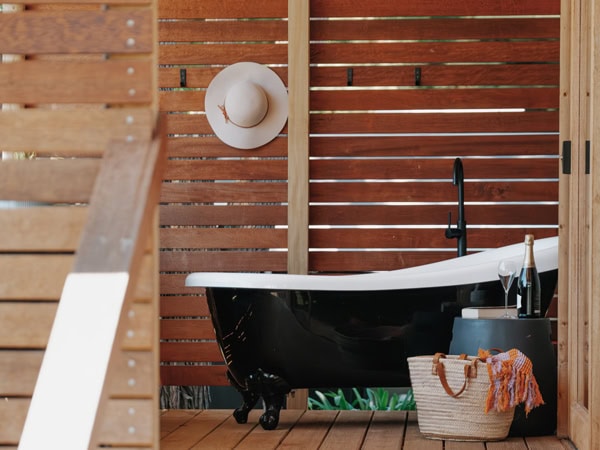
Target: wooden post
{"x": 298, "y": 149}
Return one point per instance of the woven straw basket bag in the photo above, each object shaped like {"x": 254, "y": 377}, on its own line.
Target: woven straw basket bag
{"x": 451, "y": 392}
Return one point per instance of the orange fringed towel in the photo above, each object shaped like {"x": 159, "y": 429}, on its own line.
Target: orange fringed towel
{"x": 511, "y": 381}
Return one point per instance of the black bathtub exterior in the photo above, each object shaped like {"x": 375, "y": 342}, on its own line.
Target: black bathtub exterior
{"x": 275, "y": 341}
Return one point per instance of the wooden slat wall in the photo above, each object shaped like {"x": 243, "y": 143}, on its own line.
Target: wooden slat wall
{"x": 220, "y": 205}
{"x": 381, "y": 150}
{"x": 82, "y": 75}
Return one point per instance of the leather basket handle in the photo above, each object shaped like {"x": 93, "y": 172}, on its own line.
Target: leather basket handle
{"x": 438, "y": 368}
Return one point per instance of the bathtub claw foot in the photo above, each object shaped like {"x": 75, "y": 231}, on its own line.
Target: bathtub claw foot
{"x": 272, "y": 389}
{"x": 273, "y": 404}
{"x": 240, "y": 415}
{"x": 269, "y": 420}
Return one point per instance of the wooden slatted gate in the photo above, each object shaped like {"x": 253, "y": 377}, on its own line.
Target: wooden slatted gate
{"x": 76, "y": 80}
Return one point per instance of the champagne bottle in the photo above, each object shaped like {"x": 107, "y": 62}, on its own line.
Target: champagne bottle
{"x": 529, "y": 292}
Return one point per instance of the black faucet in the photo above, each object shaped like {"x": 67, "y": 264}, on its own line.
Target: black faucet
{"x": 460, "y": 232}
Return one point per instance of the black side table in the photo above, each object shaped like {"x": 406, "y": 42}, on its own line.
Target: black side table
{"x": 533, "y": 338}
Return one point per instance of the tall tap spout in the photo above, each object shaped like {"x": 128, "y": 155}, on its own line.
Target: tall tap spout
{"x": 458, "y": 179}
{"x": 460, "y": 232}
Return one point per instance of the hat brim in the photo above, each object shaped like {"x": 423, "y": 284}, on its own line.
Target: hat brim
{"x": 272, "y": 123}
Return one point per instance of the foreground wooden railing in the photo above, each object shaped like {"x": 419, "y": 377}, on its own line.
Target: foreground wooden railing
{"x": 98, "y": 383}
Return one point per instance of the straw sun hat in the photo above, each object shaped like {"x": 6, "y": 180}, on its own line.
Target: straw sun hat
{"x": 246, "y": 105}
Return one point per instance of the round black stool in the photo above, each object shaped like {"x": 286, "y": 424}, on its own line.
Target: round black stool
{"x": 533, "y": 338}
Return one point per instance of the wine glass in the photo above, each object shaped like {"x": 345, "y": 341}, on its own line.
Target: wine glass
{"x": 506, "y": 272}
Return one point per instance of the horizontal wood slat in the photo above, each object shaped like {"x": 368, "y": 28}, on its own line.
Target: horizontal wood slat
{"x": 498, "y": 191}
{"x": 50, "y": 32}
{"x": 364, "y": 261}
{"x": 42, "y": 180}
{"x": 434, "y": 52}
{"x": 346, "y": 169}
{"x": 222, "y": 215}
{"x": 34, "y": 277}
{"x": 501, "y": 122}
{"x": 186, "y": 329}
{"x": 18, "y": 372}
{"x": 420, "y": 238}
{"x": 376, "y": 8}
{"x": 110, "y": 81}
{"x": 242, "y": 31}
{"x": 435, "y": 29}
{"x": 493, "y": 214}
{"x": 222, "y": 9}
{"x": 247, "y": 192}
{"x": 16, "y": 320}
{"x": 448, "y": 146}
{"x": 436, "y": 75}
{"x": 79, "y": 3}
{"x": 217, "y": 238}
{"x": 190, "y": 351}
{"x": 42, "y": 229}
{"x": 527, "y": 98}
{"x": 247, "y": 169}
{"x": 212, "y": 146}
{"x": 71, "y": 132}
{"x": 193, "y": 375}
{"x": 229, "y": 261}
{"x": 181, "y": 305}
{"x": 356, "y": 214}
{"x": 222, "y": 53}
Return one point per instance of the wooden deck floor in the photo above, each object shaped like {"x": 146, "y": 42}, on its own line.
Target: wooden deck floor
{"x": 347, "y": 430}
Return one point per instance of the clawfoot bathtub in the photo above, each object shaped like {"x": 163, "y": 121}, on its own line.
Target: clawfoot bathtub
{"x": 280, "y": 332}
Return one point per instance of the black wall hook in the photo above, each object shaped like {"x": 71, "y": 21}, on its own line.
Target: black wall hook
{"x": 417, "y": 76}
{"x": 182, "y": 78}
{"x": 349, "y": 76}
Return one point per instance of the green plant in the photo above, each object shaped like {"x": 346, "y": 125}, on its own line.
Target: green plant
{"x": 378, "y": 399}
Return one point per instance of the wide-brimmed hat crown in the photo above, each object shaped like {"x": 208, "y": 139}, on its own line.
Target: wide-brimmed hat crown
{"x": 246, "y": 105}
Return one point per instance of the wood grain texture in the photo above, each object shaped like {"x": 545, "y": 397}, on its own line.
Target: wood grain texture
{"x": 438, "y": 75}
{"x": 183, "y": 305}
{"x": 51, "y": 271}
{"x": 507, "y": 122}
{"x": 222, "y": 9}
{"x": 42, "y": 229}
{"x": 70, "y": 132}
{"x": 435, "y": 52}
{"x": 241, "y": 31}
{"x": 402, "y": 28}
{"x": 356, "y": 100}
{"x": 18, "y": 372}
{"x": 110, "y": 31}
{"x": 16, "y": 319}
{"x": 190, "y": 375}
{"x": 41, "y": 180}
{"x": 110, "y": 81}
{"x": 448, "y": 145}
{"x": 348, "y": 8}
